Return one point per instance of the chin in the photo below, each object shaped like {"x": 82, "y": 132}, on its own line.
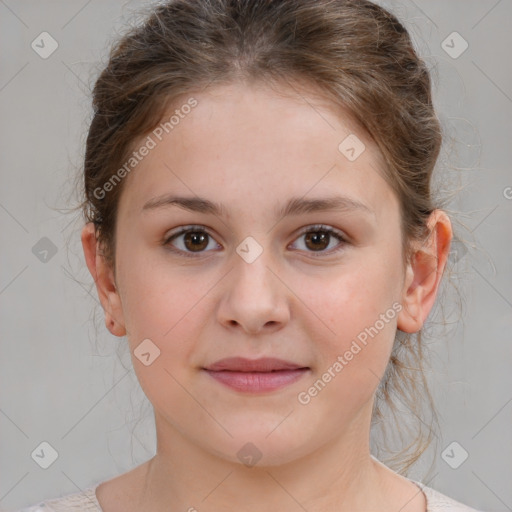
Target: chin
{"x": 254, "y": 448}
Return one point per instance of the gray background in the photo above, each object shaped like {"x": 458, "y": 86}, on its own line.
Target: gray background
{"x": 61, "y": 380}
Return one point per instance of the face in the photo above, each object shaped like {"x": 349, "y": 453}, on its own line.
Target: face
{"x": 319, "y": 288}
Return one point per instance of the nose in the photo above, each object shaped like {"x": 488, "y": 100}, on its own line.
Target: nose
{"x": 254, "y": 298}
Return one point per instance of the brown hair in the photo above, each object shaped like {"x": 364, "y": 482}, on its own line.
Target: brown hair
{"x": 356, "y": 53}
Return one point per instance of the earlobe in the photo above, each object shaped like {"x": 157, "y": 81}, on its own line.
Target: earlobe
{"x": 104, "y": 280}
{"x": 424, "y": 273}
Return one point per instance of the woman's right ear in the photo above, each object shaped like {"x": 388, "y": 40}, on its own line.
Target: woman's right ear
{"x": 103, "y": 276}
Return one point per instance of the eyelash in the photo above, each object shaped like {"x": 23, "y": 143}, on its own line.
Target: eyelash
{"x": 312, "y": 229}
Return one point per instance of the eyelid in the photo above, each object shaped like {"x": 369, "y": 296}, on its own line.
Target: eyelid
{"x": 324, "y": 227}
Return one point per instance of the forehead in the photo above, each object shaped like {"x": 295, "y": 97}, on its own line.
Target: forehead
{"x": 258, "y": 143}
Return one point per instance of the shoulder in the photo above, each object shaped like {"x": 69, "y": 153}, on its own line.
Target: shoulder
{"x": 84, "y": 501}
{"x": 438, "y": 502}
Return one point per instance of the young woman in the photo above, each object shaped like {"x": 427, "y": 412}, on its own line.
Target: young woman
{"x": 260, "y": 227}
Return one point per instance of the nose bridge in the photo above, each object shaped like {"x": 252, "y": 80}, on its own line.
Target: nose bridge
{"x": 252, "y": 264}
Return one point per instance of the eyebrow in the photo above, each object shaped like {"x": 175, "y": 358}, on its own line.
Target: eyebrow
{"x": 295, "y": 206}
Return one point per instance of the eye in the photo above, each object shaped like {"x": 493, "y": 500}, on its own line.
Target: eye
{"x": 195, "y": 240}
{"x": 318, "y": 238}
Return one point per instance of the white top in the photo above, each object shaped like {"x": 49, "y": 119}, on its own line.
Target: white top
{"x": 86, "y": 501}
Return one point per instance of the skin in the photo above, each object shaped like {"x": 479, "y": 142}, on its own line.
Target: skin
{"x": 251, "y": 148}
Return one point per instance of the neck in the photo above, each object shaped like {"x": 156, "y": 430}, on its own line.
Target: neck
{"x": 340, "y": 474}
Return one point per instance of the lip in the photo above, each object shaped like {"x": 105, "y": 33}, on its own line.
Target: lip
{"x": 263, "y": 364}
{"x": 255, "y": 375}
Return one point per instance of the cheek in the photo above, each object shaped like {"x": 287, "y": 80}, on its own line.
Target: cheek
{"x": 354, "y": 352}
{"x": 162, "y": 306}
{"x": 355, "y": 316}
{"x": 344, "y": 302}
{"x": 154, "y": 295}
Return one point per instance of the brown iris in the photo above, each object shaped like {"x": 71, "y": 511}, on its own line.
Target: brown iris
{"x": 197, "y": 239}
{"x": 318, "y": 237}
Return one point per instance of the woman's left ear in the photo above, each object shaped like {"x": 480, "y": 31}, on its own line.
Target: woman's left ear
{"x": 424, "y": 272}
